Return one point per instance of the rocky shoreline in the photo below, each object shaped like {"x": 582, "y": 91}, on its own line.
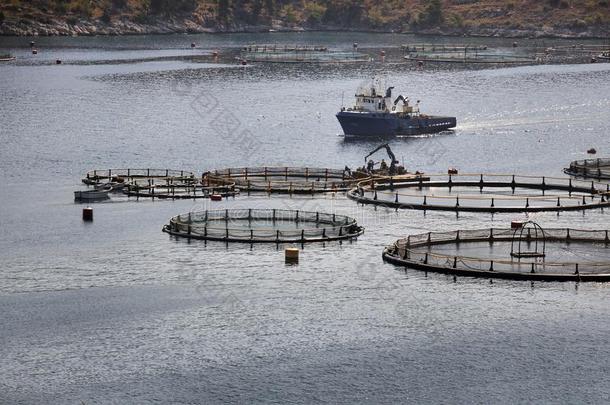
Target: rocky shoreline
{"x": 178, "y": 26}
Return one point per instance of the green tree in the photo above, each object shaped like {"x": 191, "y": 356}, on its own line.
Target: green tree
{"x": 257, "y": 7}
{"x": 223, "y": 11}
{"x": 169, "y": 7}
{"x": 433, "y": 13}
{"x": 270, "y": 8}
{"x": 314, "y": 12}
{"x": 344, "y": 12}
{"x": 119, "y": 4}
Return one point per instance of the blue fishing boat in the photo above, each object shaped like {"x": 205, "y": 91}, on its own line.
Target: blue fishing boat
{"x": 378, "y": 115}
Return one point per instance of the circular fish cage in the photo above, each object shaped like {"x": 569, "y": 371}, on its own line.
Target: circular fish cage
{"x": 445, "y": 47}
{"x": 548, "y": 255}
{"x": 471, "y": 58}
{"x": 171, "y": 188}
{"x": 286, "y": 180}
{"x": 590, "y": 168}
{"x": 482, "y": 193}
{"x": 263, "y": 226}
{"x": 158, "y": 183}
{"x": 95, "y": 177}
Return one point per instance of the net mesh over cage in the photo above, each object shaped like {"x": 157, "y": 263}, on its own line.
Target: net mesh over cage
{"x": 569, "y": 254}
{"x": 158, "y": 183}
{"x": 303, "y": 180}
{"x": 299, "y": 54}
{"x": 263, "y": 225}
{"x": 590, "y": 168}
{"x": 93, "y": 177}
{"x": 483, "y": 193}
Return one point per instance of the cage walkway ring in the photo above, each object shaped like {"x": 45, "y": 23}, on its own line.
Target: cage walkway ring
{"x": 590, "y": 168}
{"x": 482, "y": 193}
{"x": 263, "y": 226}
{"x": 441, "y": 252}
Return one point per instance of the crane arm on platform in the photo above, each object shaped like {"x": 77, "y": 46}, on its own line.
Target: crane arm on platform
{"x": 388, "y": 150}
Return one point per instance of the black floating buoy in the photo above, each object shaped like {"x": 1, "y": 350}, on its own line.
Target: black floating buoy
{"x": 34, "y": 51}
{"x": 516, "y": 224}
{"x": 88, "y": 214}
{"x": 193, "y": 45}
{"x": 58, "y": 61}
{"x": 591, "y": 151}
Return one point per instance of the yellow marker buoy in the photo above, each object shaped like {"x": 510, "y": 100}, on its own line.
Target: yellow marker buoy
{"x": 291, "y": 255}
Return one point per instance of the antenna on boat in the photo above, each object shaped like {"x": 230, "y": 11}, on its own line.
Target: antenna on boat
{"x": 342, "y": 94}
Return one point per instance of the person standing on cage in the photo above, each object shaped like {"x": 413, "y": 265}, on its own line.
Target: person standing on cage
{"x": 370, "y": 166}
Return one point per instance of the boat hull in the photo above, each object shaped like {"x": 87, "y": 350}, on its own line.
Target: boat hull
{"x": 90, "y": 195}
{"x": 386, "y": 124}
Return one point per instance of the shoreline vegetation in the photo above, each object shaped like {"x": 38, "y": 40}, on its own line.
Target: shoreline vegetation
{"x": 485, "y": 18}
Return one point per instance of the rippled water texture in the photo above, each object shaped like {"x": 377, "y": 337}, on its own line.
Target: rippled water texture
{"x": 115, "y": 311}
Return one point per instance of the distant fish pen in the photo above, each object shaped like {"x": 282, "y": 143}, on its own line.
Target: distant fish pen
{"x": 580, "y": 48}
{"x": 423, "y": 47}
{"x": 299, "y": 54}
{"x": 471, "y": 57}
{"x": 482, "y": 193}
{"x": 175, "y": 189}
{"x": 528, "y": 253}
{"x": 158, "y": 183}
{"x": 286, "y": 180}
{"x": 263, "y": 226}
{"x": 590, "y": 168}
{"x": 94, "y": 177}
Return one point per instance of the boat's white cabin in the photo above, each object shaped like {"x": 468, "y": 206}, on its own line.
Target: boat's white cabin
{"x": 370, "y": 100}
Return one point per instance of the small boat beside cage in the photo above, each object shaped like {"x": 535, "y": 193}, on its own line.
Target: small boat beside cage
{"x": 603, "y": 57}
{"x": 91, "y": 195}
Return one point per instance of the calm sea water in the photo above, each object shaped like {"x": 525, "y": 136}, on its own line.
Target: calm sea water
{"x": 115, "y": 311}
